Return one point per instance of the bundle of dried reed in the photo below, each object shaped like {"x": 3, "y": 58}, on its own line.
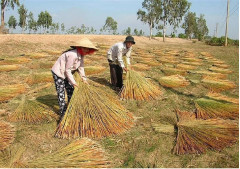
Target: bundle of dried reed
{"x": 7, "y": 134}
{"x": 9, "y": 91}
{"x": 138, "y": 87}
{"x": 91, "y": 70}
{"x": 82, "y": 153}
{"x": 40, "y": 78}
{"x": 207, "y": 108}
{"x": 196, "y": 136}
{"x": 7, "y": 68}
{"x": 173, "y": 81}
{"x": 32, "y": 111}
{"x": 93, "y": 113}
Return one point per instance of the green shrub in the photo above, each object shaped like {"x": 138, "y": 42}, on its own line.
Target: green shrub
{"x": 221, "y": 41}
{"x": 181, "y": 35}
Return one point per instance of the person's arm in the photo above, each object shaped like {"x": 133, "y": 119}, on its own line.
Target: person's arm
{"x": 81, "y": 70}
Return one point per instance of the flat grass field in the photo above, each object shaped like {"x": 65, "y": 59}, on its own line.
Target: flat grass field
{"x": 25, "y": 64}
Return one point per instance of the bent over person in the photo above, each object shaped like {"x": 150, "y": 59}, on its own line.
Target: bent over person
{"x": 115, "y": 60}
{"x": 70, "y": 61}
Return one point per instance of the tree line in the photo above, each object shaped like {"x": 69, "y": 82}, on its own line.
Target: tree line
{"x": 155, "y": 13}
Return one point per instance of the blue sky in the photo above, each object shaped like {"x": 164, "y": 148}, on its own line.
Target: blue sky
{"x": 93, "y": 13}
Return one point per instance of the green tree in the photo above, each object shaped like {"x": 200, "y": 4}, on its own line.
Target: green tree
{"x": 44, "y": 20}
{"x": 110, "y": 25}
{"x": 172, "y": 13}
{"x": 135, "y": 32}
{"x": 202, "y": 29}
{"x": 4, "y": 4}
{"x": 190, "y": 24}
{"x": 127, "y": 31}
{"x": 62, "y": 27}
{"x": 152, "y": 14}
{"x": 12, "y": 23}
{"x": 22, "y": 11}
{"x": 32, "y": 24}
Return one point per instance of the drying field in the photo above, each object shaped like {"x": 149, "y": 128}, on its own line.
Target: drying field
{"x": 193, "y": 123}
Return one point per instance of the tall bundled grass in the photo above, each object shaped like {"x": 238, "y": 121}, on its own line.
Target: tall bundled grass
{"x": 138, "y": 87}
{"x": 7, "y": 135}
{"x": 217, "y": 85}
{"x": 7, "y": 92}
{"x": 93, "y": 113}
{"x": 197, "y": 136}
{"x": 173, "y": 81}
{"x": 208, "y": 108}
{"x": 32, "y": 111}
{"x": 82, "y": 153}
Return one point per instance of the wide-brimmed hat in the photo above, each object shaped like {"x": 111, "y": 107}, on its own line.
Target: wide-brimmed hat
{"x": 129, "y": 39}
{"x": 84, "y": 42}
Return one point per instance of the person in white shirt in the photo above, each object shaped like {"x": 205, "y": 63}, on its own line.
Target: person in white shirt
{"x": 115, "y": 60}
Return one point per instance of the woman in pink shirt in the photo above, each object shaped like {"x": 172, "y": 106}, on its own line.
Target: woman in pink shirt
{"x": 70, "y": 61}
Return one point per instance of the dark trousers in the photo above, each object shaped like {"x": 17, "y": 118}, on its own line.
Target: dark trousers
{"x": 61, "y": 86}
{"x": 116, "y": 75}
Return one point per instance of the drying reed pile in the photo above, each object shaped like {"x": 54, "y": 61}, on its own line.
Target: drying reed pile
{"x": 174, "y": 81}
{"x": 93, "y": 113}
{"x": 7, "y": 92}
{"x": 140, "y": 67}
{"x": 173, "y": 71}
{"x": 185, "y": 67}
{"x": 218, "y": 96}
{"x": 163, "y": 128}
{"x": 206, "y": 73}
{"x": 7, "y": 134}
{"x": 32, "y": 111}
{"x": 7, "y": 68}
{"x": 40, "y": 78}
{"x": 208, "y": 108}
{"x": 82, "y": 153}
{"x": 37, "y": 55}
{"x": 217, "y": 85}
{"x": 221, "y": 65}
{"x": 18, "y": 60}
{"x": 138, "y": 87}
{"x": 220, "y": 70}
{"x": 197, "y": 136}
{"x": 91, "y": 70}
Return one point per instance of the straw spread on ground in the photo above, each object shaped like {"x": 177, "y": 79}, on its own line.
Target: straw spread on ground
{"x": 32, "y": 111}
{"x": 7, "y": 92}
{"x": 163, "y": 128}
{"x": 8, "y": 68}
{"x": 220, "y": 70}
{"x": 152, "y": 63}
{"x": 138, "y": 87}
{"x": 217, "y": 85}
{"x": 18, "y": 60}
{"x": 82, "y": 153}
{"x": 218, "y": 96}
{"x": 39, "y": 78}
{"x": 140, "y": 67}
{"x": 173, "y": 71}
{"x": 206, "y": 73}
{"x": 93, "y": 113}
{"x": 91, "y": 70}
{"x": 173, "y": 81}
{"x": 208, "y": 108}
{"x": 196, "y": 136}
{"x": 186, "y": 67}
{"x": 7, "y": 135}
{"x": 221, "y": 65}
{"x": 37, "y": 55}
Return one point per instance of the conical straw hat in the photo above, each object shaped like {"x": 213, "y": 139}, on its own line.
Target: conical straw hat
{"x": 84, "y": 42}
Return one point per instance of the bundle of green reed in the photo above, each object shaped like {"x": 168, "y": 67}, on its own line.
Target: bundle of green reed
{"x": 208, "y": 108}
{"x": 7, "y": 92}
{"x": 217, "y": 85}
{"x": 82, "y": 153}
{"x": 196, "y": 136}
{"x": 93, "y": 113}
{"x": 32, "y": 111}
{"x": 138, "y": 87}
{"x": 173, "y": 81}
{"x": 7, "y": 134}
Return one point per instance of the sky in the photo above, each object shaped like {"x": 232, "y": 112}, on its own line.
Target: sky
{"x": 93, "y": 13}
